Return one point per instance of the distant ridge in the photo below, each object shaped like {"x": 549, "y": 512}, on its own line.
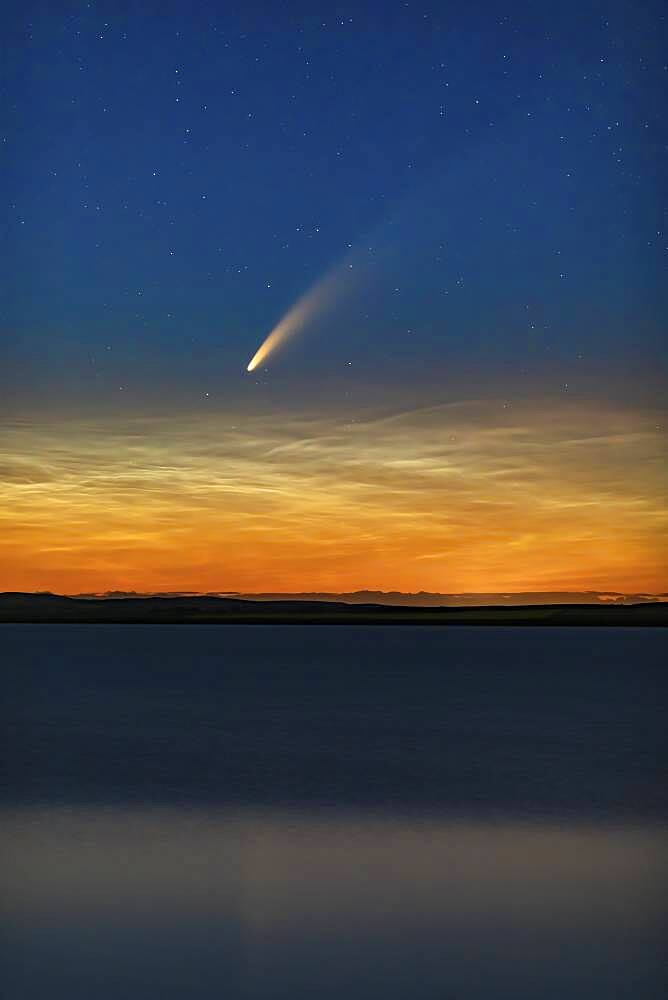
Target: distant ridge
{"x": 212, "y": 609}
{"x": 396, "y": 598}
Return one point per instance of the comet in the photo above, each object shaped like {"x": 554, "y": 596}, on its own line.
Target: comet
{"x": 335, "y": 282}
{"x": 343, "y": 276}
{"x": 404, "y": 227}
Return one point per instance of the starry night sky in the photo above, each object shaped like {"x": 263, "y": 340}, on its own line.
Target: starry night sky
{"x": 175, "y": 176}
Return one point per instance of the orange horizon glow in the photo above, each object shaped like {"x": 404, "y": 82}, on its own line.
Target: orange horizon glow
{"x": 458, "y": 498}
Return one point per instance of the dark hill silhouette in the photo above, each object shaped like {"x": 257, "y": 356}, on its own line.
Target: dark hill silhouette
{"x": 53, "y": 608}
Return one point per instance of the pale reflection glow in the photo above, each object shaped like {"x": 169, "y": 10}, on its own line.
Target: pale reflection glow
{"x": 262, "y": 904}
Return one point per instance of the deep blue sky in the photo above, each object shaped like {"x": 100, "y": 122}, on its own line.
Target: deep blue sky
{"x": 175, "y": 175}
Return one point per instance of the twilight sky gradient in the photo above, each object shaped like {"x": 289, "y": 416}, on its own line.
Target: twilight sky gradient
{"x": 476, "y": 400}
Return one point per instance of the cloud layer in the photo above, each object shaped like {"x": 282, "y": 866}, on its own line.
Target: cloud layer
{"x": 461, "y": 497}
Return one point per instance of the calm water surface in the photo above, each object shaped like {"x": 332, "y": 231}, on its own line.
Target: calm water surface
{"x": 287, "y": 812}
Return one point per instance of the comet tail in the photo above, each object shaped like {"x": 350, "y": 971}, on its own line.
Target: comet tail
{"x": 305, "y": 309}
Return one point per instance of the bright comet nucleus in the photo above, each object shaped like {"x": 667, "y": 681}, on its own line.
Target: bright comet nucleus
{"x": 279, "y": 333}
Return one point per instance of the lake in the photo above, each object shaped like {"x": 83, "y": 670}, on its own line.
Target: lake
{"x": 358, "y": 812}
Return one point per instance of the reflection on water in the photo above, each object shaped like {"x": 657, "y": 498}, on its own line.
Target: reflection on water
{"x": 111, "y": 903}
{"x": 108, "y": 903}
{"x": 293, "y": 813}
